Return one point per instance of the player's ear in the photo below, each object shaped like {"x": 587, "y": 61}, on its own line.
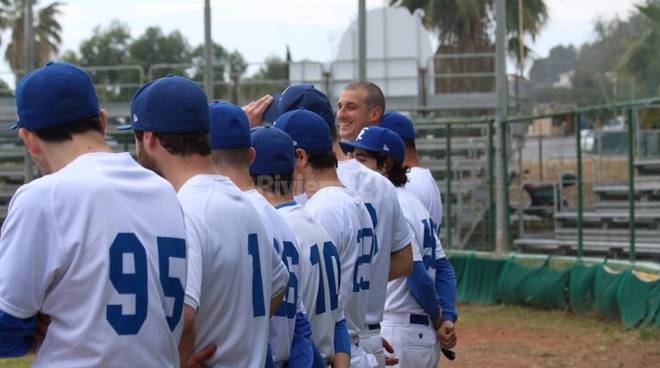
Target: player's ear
{"x": 301, "y": 158}
{"x": 30, "y": 140}
{"x": 103, "y": 116}
{"x": 375, "y": 115}
{"x": 253, "y": 155}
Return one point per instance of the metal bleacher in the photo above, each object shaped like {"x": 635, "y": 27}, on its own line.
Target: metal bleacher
{"x": 606, "y": 225}
{"x": 468, "y": 173}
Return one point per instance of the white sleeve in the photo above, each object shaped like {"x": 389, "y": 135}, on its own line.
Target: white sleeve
{"x": 401, "y": 233}
{"x": 280, "y": 273}
{"x": 417, "y": 255}
{"x": 195, "y": 256}
{"x": 31, "y": 258}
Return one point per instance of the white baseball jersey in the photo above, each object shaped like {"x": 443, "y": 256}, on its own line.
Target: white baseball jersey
{"x": 319, "y": 262}
{"x": 345, "y": 218}
{"x": 422, "y": 184}
{"x": 233, "y": 271}
{"x": 425, "y": 243}
{"x": 392, "y": 232}
{"x": 283, "y": 323}
{"x": 99, "y": 246}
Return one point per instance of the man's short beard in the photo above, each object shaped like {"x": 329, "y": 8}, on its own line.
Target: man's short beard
{"x": 147, "y": 161}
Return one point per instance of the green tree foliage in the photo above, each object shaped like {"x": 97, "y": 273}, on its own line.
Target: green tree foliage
{"x": 154, "y": 47}
{"x": 642, "y": 61}
{"x": 47, "y": 32}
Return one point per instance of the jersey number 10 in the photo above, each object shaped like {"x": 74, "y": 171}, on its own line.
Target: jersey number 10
{"x": 136, "y": 283}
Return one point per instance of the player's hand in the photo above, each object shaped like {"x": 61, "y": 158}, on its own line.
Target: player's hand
{"x": 446, "y": 334}
{"x": 255, "y": 110}
{"x": 197, "y": 360}
{"x": 388, "y": 348}
{"x": 40, "y": 334}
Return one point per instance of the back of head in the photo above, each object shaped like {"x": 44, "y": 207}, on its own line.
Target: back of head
{"x": 311, "y": 134}
{"x": 176, "y": 109}
{"x": 230, "y": 135}
{"x": 56, "y": 102}
{"x": 272, "y": 169}
{"x": 303, "y": 96}
{"x": 401, "y": 125}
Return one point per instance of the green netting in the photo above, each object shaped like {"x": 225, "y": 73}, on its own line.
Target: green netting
{"x": 632, "y": 298}
{"x": 606, "y": 285}
{"x": 581, "y": 288}
{"x": 458, "y": 263}
{"x": 652, "y": 317}
{"x": 546, "y": 288}
{"x": 479, "y": 280}
{"x": 513, "y": 275}
{"x": 617, "y": 296}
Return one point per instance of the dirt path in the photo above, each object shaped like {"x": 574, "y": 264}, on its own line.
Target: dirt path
{"x": 498, "y": 336}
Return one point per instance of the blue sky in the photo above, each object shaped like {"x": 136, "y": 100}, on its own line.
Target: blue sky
{"x": 312, "y": 28}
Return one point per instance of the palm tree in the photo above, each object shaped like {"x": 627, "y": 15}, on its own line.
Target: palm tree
{"x": 47, "y": 33}
{"x": 465, "y": 26}
{"x": 641, "y": 60}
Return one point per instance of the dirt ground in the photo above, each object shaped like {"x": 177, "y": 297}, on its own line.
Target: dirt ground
{"x": 512, "y": 337}
{"x": 499, "y": 336}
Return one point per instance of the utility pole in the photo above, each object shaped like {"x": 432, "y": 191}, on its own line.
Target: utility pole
{"x": 362, "y": 40}
{"x": 502, "y": 90}
{"x": 29, "y": 66}
{"x": 208, "y": 51}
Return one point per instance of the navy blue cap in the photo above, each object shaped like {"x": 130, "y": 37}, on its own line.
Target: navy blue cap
{"x": 275, "y": 152}
{"x": 377, "y": 139}
{"x": 170, "y": 104}
{"x": 271, "y": 113}
{"x": 308, "y": 130}
{"x": 230, "y": 127}
{"x": 55, "y": 94}
{"x": 399, "y": 123}
{"x": 304, "y": 96}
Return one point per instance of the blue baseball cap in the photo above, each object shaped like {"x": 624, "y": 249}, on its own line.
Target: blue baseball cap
{"x": 378, "y": 139}
{"x": 308, "y": 130}
{"x": 230, "y": 127}
{"x": 303, "y": 96}
{"x": 275, "y": 152}
{"x": 399, "y": 123}
{"x": 170, "y": 104}
{"x": 55, "y": 94}
{"x": 271, "y": 113}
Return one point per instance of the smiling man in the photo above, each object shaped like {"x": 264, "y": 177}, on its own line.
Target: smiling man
{"x": 360, "y": 105}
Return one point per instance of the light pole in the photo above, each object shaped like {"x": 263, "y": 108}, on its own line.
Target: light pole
{"x": 208, "y": 51}
{"x": 502, "y": 90}
{"x": 362, "y": 40}
{"x": 29, "y": 66}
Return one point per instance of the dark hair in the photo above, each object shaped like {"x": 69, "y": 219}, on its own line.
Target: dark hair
{"x": 322, "y": 160}
{"x": 235, "y": 157}
{"x": 65, "y": 132}
{"x": 396, "y": 171}
{"x": 410, "y": 144}
{"x": 375, "y": 95}
{"x": 182, "y": 144}
{"x": 276, "y": 184}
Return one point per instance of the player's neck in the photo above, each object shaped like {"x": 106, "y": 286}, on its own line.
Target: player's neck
{"x": 275, "y": 199}
{"x": 178, "y": 169}
{"x": 58, "y": 155}
{"x": 238, "y": 175}
{"x": 315, "y": 180}
{"x": 412, "y": 159}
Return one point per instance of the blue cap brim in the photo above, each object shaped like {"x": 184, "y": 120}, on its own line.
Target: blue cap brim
{"x": 271, "y": 114}
{"x": 125, "y": 127}
{"x": 350, "y": 147}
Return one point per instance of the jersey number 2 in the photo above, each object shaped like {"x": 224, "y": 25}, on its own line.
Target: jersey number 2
{"x": 136, "y": 282}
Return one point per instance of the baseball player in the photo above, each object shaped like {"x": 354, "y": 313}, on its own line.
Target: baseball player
{"x": 340, "y": 211}
{"x": 393, "y": 258}
{"x": 272, "y": 171}
{"x": 232, "y": 155}
{"x": 235, "y": 278}
{"x": 96, "y": 248}
{"x": 412, "y": 311}
{"x": 423, "y": 186}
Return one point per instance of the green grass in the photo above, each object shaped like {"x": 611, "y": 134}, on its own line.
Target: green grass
{"x": 17, "y": 363}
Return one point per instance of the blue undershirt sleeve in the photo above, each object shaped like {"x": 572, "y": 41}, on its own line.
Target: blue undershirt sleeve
{"x": 342, "y": 341}
{"x": 16, "y": 335}
{"x": 302, "y": 351}
{"x": 423, "y": 290}
{"x": 445, "y": 285}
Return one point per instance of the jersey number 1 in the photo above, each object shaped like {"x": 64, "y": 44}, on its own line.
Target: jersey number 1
{"x": 136, "y": 282}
